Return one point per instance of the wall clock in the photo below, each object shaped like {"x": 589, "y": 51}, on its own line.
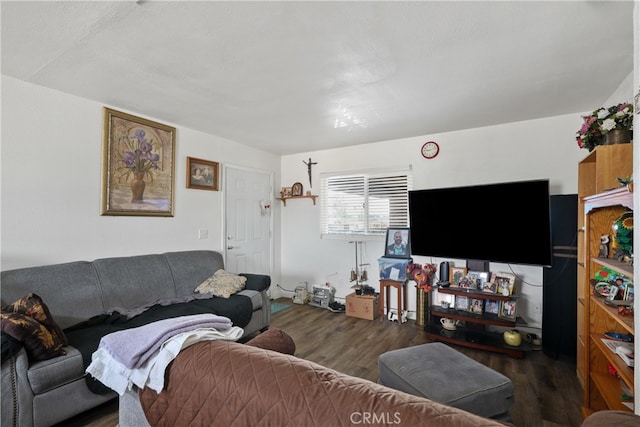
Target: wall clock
{"x": 430, "y": 149}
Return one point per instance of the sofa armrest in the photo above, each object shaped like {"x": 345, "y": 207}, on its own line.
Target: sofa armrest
{"x": 17, "y": 397}
{"x": 257, "y": 282}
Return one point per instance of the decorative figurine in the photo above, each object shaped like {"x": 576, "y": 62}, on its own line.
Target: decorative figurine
{"x": 604, "y": 246}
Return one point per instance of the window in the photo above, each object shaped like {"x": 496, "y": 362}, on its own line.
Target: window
{"x": 363, "y": 203}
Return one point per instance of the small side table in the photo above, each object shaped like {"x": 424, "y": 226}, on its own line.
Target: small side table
{"x": 385, "y": 297}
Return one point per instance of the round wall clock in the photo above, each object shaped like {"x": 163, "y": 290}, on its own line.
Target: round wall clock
{"x": 430, "y": 149}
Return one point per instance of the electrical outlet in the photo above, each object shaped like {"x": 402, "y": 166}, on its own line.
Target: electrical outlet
{"x": 203, "y": 234}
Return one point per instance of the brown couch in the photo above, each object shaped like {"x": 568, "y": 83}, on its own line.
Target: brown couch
{"x": 232, "y": 384}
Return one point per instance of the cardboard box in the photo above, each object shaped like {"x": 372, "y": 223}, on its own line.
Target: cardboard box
{"x": 362, "y": 306}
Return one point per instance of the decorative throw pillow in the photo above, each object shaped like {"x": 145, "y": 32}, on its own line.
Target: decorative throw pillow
{"x": 222, "y": 284}
{"x": 29, "y": 321}
{"x": 38, "y": 341}
{"x": 33, "y": 306}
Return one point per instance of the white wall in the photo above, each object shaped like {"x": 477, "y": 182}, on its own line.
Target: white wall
{"x": 51, "y": 171}
{"x": 51, "y": 193}
{"x": 536, "y": 149}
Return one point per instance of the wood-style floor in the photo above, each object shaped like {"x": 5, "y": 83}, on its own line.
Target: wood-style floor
{"x": 547, "y": 392}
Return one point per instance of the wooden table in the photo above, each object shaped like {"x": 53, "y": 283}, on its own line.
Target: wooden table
{"x": 385, "y": 296}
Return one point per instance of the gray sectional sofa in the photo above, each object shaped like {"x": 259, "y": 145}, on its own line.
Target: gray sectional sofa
{"x": 46, "y": 392}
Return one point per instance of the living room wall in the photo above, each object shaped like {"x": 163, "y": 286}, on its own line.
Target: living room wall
{"x": 51, "y": 191}
{"x": 535, "y": 149}
{"x": 51, "y": 171}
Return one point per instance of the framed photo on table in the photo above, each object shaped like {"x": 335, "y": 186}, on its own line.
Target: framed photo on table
{"x": 456, "y": 274}
{"x": 398, "y": 243}
{"x": 462, "y": 303}
{"x": 504, "y": 283}
{"x": 507, "y": 310}
{"x": 476, "y": 305}
{"x": 491, "y": 306}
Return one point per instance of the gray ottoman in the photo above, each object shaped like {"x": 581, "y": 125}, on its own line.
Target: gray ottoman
{"x": 445, "y": 375}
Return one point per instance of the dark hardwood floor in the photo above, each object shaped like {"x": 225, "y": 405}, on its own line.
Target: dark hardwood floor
{"x": 547, "y": 392}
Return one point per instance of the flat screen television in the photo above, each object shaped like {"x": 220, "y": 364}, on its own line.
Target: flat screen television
{"x": 503, "y": 222}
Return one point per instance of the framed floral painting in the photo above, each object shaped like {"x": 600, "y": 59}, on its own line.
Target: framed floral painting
{"x": 138, "y": 163}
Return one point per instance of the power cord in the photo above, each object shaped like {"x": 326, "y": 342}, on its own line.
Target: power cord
{"x": 286, "y": 290}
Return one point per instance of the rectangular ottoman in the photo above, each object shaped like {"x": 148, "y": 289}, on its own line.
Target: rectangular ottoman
{"x": 442, "y": 374}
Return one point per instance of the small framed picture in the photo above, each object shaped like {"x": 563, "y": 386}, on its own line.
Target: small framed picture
{"x": 456, "y": 274}
{"x": 462, "y": 303}
{"x": 504, "y": 283}
{"x": 285, "y": 192}
{"x": 398, "y": 243}
{"x": 489, "y": 287}
{"x": 507, "y": 310}
{"x": 491, "y": 306}
{"x": 296, "y": 189}
{"x": 467, "y": 282}
{"x": 481, "y": 277}
{"x": 476, "y": 305}
{"x": 202, "y": 174}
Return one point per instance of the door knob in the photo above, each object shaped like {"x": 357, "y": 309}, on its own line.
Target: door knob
{"x": 229, "y": 247}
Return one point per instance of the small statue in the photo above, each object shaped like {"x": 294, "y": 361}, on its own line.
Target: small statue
{"x": 604, "y": 246}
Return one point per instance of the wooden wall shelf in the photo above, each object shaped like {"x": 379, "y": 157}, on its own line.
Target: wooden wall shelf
{"x": 307, "y": 196}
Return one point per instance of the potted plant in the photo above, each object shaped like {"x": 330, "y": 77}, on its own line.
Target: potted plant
{"x": 602, "y": 124}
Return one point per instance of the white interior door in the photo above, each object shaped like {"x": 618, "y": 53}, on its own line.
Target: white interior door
{"x": 247, "y": 224}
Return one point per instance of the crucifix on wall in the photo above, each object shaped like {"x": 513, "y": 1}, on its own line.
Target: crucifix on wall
{"x": 309, "y": 165}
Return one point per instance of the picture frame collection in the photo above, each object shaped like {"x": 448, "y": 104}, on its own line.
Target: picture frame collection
{"x": 500, "y": 283}
{"x": 506, "y": 310}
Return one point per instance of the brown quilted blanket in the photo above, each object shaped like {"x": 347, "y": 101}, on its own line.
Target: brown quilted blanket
{"x": 221, "y": 383}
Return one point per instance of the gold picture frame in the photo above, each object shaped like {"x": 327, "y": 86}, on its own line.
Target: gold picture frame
{"x": 138, "y": 164}
{"x": 504, "y": 283}
{"x": 456, "y": 274}
{"x": 203, "y": 174}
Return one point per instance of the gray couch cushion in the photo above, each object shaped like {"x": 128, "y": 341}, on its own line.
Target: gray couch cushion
{"x": 49, "y": 374}
{"x": 445, "y": 375}
{"x": 191, "y": 268}
{"x": 70, "y": 290}
{"x": 129, "y": 282}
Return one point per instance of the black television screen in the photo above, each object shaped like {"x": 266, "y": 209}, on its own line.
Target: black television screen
{"x": 503, "y": 222}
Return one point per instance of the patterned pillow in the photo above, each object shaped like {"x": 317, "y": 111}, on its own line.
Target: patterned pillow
{"x": 29, "y": 321}
{"x": 222, "y": 284}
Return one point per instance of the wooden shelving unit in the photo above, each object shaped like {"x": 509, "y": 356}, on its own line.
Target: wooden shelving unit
{"x": 601, "y": 201}
{"x": 306, "y": 196}
{"x": 474, "y": 334}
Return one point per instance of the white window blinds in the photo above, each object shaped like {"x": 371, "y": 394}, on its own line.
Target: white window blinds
{"x": 364, "y": 203}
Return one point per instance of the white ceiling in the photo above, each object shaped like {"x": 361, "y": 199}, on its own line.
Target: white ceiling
{"x": 279, "y": 75}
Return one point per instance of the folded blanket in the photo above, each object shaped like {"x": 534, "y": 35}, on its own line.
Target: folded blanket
{"x": 113, "y": 374}
{"x": 132, "y": 347}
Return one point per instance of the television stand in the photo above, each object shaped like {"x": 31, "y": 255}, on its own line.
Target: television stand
{"x": 474, "y": 334}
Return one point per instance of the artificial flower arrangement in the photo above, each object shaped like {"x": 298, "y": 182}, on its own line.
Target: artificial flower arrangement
{"x": 601, "y": 121}
{"x": 422, "y": 274}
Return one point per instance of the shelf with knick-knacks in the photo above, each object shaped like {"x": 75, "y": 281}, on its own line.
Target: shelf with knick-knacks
{"x": 295, "y": 192}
